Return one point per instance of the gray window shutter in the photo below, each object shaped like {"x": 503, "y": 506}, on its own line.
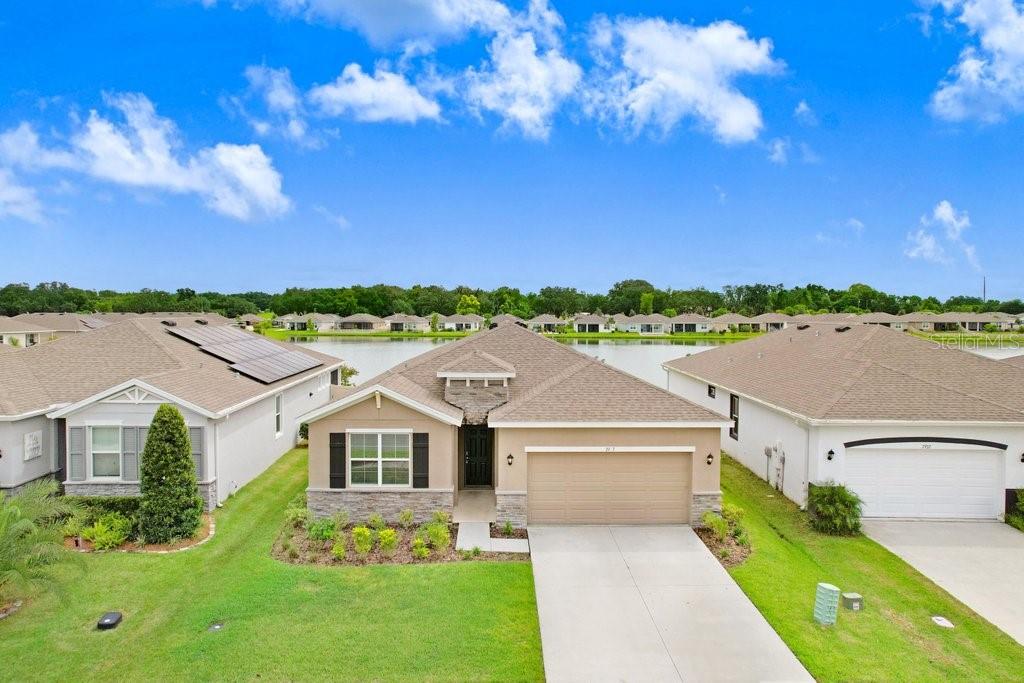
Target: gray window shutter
{"x": 195, "y": 435}
{"x": 76, "y": 454}
{"x": 421, "y": 460}
{"x": 130, "y": 453}
{"x": 337, "y": 460}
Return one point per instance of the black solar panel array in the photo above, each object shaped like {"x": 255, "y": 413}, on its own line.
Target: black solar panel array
{"x": 254, "y": 357}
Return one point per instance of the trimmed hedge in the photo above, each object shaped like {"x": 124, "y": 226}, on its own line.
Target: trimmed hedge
{"x": 833, "y": 509}
{"x": 94, "y": 507}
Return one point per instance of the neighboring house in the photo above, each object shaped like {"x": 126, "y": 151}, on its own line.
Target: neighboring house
{"x": 920, "y": 321}
{"x": 654, "y": 323}
{"x": 290, "y": 321}
{"x": 560, "y": 437}
{"x": 312, "y": 322}
{"x": 916, "y": 429}
{"x": 689, "y": 322}
{"x": 545, "y": 322}
{"x": 362, "y": 322}
{"x": 400, "y": 322}
{"x": 470, "y": 322}
{"x": 772, "y": 322}
{"x": 883, "y": 319}
{"x": 249, "y": 321}
{"x": 323, "y": 322}
{"x": 507, "y": 318}
{"x": 79, "y": 407}
{"x": 742, "y": 323}
{"x": 63, "y": 324}
{"x": 21, "y": 333}
{"x": 591, "y": 323}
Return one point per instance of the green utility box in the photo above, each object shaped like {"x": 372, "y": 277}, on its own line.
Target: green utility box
{"x": 826, "y": 604}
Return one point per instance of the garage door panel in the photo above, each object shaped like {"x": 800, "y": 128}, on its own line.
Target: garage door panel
{"x": 608, "y": 488}
{"x": 927, "y": 483}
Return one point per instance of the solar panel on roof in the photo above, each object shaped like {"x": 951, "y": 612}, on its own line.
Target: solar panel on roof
{"x": 255, "y": 357}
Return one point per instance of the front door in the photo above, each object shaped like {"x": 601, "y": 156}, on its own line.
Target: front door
{"x": 479, "y": 457}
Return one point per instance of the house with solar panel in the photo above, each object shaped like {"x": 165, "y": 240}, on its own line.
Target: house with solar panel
{"x": 78, "y": 408}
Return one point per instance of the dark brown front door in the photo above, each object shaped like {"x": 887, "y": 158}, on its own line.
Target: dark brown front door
{"x": 479, "y": 446}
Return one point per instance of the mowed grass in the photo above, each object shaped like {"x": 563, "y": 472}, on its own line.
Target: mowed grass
{"x": 894, "y": 638}
{"x": 458, "y": 621}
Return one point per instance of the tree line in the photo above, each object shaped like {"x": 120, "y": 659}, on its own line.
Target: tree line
{"x": 627, "y": 296}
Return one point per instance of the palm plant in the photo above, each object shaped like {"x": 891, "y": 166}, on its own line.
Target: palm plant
{"x": 30, "y": 537}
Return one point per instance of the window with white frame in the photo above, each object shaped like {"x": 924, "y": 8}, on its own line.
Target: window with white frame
{"x": 321, "y": 382}
{"x": 105, "y": 451}
{"x": 278, "y": 407}
{"x": 380, "y": 458}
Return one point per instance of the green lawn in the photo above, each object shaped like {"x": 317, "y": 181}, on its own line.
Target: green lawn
{"x": 459, "y": 621}
{"x": 893, "y": 639}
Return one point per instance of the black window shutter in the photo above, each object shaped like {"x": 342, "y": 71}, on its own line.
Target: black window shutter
{"x": 337, "y": 464}
{"x": 421, "y": 460}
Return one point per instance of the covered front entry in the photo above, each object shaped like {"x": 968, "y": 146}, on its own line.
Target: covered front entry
{"x": 608, "y": 487}
{"x": 927, "y": 480}
{"x": 478, "y": 444}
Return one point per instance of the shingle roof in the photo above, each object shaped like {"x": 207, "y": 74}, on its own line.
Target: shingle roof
{"x": 477, "y": 361}
{"x": 690, "y": 318}
{"x": 463, "y": 318}
{"x": 1016, "y": 361}
{"x": 506, "y": 318}
{"x": 360, "y": 318}
{"x": 13, "y": 326}
{"x": 553, "y": 383}
{"x": 76, "y": 367}
{"x": 733, "y": 319}
{"x": 867, "y": 372}
{"x": 404, "y": 318}
{"x": 590, "y": 319}
{"x": 771, "y": 317}
{"x": 63, "y": 322}
{"x": 545, "y": 318}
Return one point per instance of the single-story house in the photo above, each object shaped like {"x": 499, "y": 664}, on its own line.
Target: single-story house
{"x": 689, "y": 322}
{"x": 591, "y": 322}
{"x": 916, "y": 429}
{"x": 249, "y": 321}
{"x": 773, "y": 322}
{"x": 882, "y": 318}
{"x": 742, "y": 323}
{"x": 919, "y": 321}
{"x": 400, "y": 322}
{"x": 21, "y": 333}
{"x": 313, "y": 322}
{"x": 654, "y": 323}
{"x": 507, "y": 318}
{"x": 545, "y": 322}
{"x": 78, "y": 408}
{"x": 362, "y": 322}
{"x": 557, "y": 435}
{"x": 63, "y": 324}
{"x": 290, "y": 321}
{"x": 468, "y": 322}
{"x": 825, "y": 319}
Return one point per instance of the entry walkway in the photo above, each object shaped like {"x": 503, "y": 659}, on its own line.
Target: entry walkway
{"x": 474, "y": 513}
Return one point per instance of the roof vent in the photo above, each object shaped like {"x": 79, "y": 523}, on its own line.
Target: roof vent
{"x": 200, "y": 321}
{"x": 802, "y": 327}
{"x": 842, "y": 328}
{"x": 169, "y": 323}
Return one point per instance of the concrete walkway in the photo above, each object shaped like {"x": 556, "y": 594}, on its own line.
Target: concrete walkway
{"x": 478, "y": 535}
{"x": 647, "y": 604}
{"x": 981, "y": 564}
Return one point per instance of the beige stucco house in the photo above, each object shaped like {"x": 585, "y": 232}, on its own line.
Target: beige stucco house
{"x": 558, "y": 436}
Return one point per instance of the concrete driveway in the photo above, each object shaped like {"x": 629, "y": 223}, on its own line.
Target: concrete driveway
{"x": 647, "y": 604}
{"x": 980, "y": 563}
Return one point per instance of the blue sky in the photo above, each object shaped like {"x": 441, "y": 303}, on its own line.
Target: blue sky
{"x": 260, "y": 145}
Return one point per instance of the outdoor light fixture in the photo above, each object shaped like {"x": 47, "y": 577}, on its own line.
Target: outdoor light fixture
{"x": 1022, "y": 457}
{"x": 711, "y": 458}
{"x": 510, "y": 459}
{"x": 831, "y": 454}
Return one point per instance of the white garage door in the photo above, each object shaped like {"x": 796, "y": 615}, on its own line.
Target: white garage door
{"x": 935, "y": 482}
{"x": 608, "y": 488}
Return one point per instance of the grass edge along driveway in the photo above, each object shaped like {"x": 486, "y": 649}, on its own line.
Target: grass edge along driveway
{"x": 457, "y": 621}
{"x": 893, "y": 639}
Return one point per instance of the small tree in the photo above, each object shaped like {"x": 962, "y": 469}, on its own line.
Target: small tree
{"x": 435, "y": 322}
{"x": 647, "y": 303}
{"x": 171, "y": 507}
{"x": 468, "y": 305}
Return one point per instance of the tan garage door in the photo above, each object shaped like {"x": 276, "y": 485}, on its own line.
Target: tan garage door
{"x": 608, "y": 488}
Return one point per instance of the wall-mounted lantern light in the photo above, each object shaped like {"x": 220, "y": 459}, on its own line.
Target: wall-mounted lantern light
{"x": 510, "y": 459}
{"x": 711, "y": 458}
{"x": 831, "y": 454}
{"x": 1022, "y": 457}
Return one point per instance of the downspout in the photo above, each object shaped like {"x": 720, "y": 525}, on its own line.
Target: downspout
{"x": 807, "y": 469}
{"x": 216, "y": 460}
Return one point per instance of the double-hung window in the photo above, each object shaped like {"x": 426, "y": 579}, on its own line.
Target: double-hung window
{"x": 380, "y": 458}
{"x": 105, "y": 451}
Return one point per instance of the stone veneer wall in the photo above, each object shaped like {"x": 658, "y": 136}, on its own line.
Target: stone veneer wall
{"x": 361, "y": 503}
{"x": 511, "y": 508}
{"x": 704, "y": 502}
{"x": 12, "y": 490}
{"x": 207, "y": 490}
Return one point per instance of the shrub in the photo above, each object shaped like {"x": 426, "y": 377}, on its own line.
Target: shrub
{"x": 171, "y": 507}
{"x": 1020, "y": 501}
{"x": 419, "y": 549}
{"x": 388, "y": 540}
{"x": 507, "y": 528}
{"x": 108, "y": 532}
{"x": 440, "y": 517}
{"x": 717, "y": 524}
{"x": 304, "y": 431}
{"x": 321, "y": 530}
{"x": 406, "y": 518}
{"x": 439, "y": 535}
{"x": 340, "y": 546}
{"x": 30, "y": 537}
{"x": 340, "y": 519}
{"x": 362, "y": 540}
{"x": 296, "y": 516}
{"x": 732, "y": 514}
{"x": 833, "y": 509}
{"x": 376, "y": 522}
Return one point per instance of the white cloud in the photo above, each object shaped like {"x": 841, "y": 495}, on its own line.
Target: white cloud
{"x": 808, "y": 155}
{"x": 17, "y": 200}
{"x": 336, "y": 219}
{"x": 855, "y": 224}
{"x": 527, "y": 77}
{"x": 953, "y": 223}
{"x": 778, "y": 151}
{"x": 144, "y": 151}
{"x": 804, "y": 114}
{"x": 923, "y": 245}
{"x": 282, "y": 102}
{"x": 655, "y": 73}
{"x": 385, "y": 96}
{"x": 987, "y": 82}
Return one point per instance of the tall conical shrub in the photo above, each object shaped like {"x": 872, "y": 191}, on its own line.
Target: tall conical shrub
{"x": 171, "y": 507}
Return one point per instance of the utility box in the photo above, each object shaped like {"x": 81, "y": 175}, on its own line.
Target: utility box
{"x": 853, "y": 602}
{"x": 826, "y": 604}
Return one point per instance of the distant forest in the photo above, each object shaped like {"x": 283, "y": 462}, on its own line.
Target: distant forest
{"x": 628, "y": 296}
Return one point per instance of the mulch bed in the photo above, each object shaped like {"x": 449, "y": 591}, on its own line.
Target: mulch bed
{"x": 204, "y": 532}
{"x": 497, "y": 531}
{"x": 729, "y": 553}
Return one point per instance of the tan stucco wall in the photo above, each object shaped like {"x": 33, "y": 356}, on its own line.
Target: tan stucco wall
{"x": 390, "y": 415}
{"x": 513, "y": 478}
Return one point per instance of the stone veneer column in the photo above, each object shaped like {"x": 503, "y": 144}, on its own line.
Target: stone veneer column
{"x": 511, "y": 508}
{"x": 704, "y": 502}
